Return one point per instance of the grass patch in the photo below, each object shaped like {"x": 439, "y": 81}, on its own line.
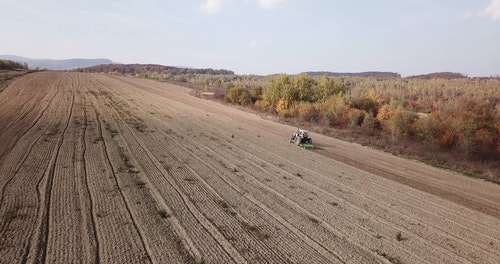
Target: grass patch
{"x": 163, "y": 213}
{"x": 188, "y": 179}
{"x": 223, "y": 204}
{"x": 314, "y": 220}
{"x": 114, "y": 132}
{"x": 256, "y": 231}
{"x": 390, "y": 258}
{"x": 132, "y": 170}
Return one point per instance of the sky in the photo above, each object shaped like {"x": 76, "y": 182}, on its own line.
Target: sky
{"x": 262, "y": 37}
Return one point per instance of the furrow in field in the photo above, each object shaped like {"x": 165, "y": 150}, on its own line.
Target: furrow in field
{"x": 21, "y": 199}
{"x": 46, "y": 185}
{"x": 291, "y": 176}
{"x": 184, "y": 139}
{"x": 117, "y": 237}
{"x": 11, "y": 163}
{"x": 68, "y": 217}
{"x": 198, "y": 229}
{"x": 447, "y": 236}
{"x": 431, "y": 231}
{"x": 90, "y": 242}
{"x": 18, "y": 118}
{"x": 202, "y": 195}
{"x": 248, "y": 211}
{"x": 149, "y": 212}
{"x": 200, "y": 201}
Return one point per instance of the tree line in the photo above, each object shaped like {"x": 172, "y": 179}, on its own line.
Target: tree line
{"x": 12, "y": 65}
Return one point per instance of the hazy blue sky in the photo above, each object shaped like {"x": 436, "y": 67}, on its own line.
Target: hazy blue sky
{"x": 262, "y": 36}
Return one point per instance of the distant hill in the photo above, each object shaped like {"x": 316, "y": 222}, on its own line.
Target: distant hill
{"x": 49, "y": 64}
{"x": 374, "y": 74}
{"x": 138, "y": 69}
{"x": 439, "y": 75}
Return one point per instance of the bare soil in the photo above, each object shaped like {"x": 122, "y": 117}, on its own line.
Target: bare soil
{"x": 95, "y": 168}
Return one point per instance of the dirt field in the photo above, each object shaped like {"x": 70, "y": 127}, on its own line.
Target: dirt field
{"x": 106, "y": 169}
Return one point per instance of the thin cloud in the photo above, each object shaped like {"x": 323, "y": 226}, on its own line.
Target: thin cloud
{"x": 213, "y": 6}
{"x": 493, "y": 10}
{"x": 270, "y": 4}
{"x": 253, "y": 43}
{"x": 465, "y": 16}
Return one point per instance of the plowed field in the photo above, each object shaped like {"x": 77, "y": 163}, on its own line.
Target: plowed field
{"x": 95, "y": 168}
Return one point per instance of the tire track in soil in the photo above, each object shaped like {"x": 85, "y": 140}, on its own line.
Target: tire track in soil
{"x": 182, "y": 139}
{"x": 41, "y": 251}
{"x": 152, "y": 170}
{"x": 174, "y": 142}
{"x": 86, "y": 200}
{"x": 275, "y": 196}
{"x": 171, "y": 235}
{"x": 69, "y": 232}
{"x": 20, "y": 123}
{"x": 163, "y": 148}
{"x": 142, "y": 251}
{"x": 29, "y": 148}
{"x": 209, "y": 202}
{"x": 170, "y": 171}
{"x": 208, "y": 191}
{"x": 24, "y": 181}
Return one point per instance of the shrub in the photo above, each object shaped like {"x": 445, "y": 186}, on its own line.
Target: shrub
{"x": 303, "y": 88}
{"x": 163, "y": 213}
{"x": 238, "y": 95}
{"x": 369, "y": 124}
{"x": 306, "y": 111}
{"x": 260, "y": 104}
{"x": 428, "y": 128}
{"x": 356, "y": 117}
{"x": 282, "y": 107}
{"x": 401, "y": 122}
{"x": 327, "y": 87}
{"x": 367, "y": 104}
{"x": 256, "y": 93}
{"x": 336, "y": 110}
{"x": 277, "y": 89}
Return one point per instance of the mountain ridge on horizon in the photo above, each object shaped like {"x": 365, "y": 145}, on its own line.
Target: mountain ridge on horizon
{"x": 51, "y": 64}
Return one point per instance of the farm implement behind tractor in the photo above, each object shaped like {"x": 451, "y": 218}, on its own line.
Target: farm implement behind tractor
{"x": 302, "y": 139}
